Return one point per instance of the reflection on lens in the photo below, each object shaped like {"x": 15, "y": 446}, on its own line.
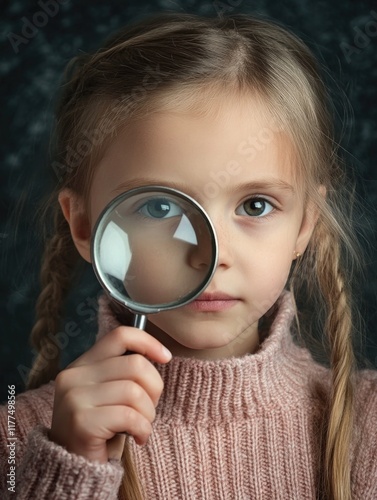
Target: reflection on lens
{"x": 154, "y": 248}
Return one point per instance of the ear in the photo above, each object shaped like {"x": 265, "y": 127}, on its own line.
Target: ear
{"x": 73, "y": 208}
{"x": 309, "y": 221}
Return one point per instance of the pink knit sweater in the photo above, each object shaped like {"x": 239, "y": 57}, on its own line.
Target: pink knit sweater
{"x": 240, "y": 428}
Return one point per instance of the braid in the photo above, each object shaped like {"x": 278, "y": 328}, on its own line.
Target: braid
{"x": 57, "y": 264}
{"x": 130, "y": 488}
{"x": 336, "y": 295}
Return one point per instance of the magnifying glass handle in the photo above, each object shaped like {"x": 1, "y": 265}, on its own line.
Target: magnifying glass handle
{"x": 140, "y": 320}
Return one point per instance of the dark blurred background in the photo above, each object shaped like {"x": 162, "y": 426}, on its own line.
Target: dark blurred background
{"x": 39, "y": 38}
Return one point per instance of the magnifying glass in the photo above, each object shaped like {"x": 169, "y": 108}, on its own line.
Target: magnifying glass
{"x": 154, "y": 248}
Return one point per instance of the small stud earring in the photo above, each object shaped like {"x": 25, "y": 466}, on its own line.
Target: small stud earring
{"x": 297, "y": 254}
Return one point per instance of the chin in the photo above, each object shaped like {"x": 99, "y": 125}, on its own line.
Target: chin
{"x": 200, "y": 345}
{"x": 201, "y": 337}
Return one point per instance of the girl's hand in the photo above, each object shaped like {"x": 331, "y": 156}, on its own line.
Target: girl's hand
{"x": 103, "y": 393}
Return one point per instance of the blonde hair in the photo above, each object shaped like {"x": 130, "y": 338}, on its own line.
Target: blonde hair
{"x": 172, "y": 59}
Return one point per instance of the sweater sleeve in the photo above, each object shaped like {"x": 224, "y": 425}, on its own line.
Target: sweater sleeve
{"x": 42, "y": 469}
{"x": 364, "y": 456}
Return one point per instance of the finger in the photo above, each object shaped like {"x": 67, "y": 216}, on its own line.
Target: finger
{"x": 96, "y": 426}
{"x": 122, "y": 339}
{"x": 136, "y": 368}
{"x": 120, "y": 392}
{"x": 111, "y": 420}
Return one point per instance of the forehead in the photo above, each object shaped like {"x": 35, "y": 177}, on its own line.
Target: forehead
{"x": 194, "y": 142}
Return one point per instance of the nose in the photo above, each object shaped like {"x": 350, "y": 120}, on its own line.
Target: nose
{"x": 202, "y": 254}
{"x": 225, "y": 244}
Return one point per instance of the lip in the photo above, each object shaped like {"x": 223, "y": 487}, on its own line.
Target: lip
{"x": 213, "y": 302}
{"x": 209, "y": 296}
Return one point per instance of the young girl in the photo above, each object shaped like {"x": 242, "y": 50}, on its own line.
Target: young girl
{"x": 233, "y": 112}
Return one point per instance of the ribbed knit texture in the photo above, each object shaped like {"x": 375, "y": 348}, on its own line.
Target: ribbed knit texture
{"x": 239, "y": 428}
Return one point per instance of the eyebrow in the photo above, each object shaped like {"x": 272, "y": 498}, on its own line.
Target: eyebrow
{"x": 257, "y": 185}
{"x": 262, "y": 184}
{"x": 136, "y": 182}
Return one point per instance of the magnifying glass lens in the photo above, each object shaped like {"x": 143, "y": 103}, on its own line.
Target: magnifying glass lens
{"x": 154, "y": 249}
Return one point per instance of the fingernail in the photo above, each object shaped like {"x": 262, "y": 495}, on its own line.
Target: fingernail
{"x": 167, "y": 354}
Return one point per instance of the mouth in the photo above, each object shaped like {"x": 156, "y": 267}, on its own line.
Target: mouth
{"x": 213, "y": 302}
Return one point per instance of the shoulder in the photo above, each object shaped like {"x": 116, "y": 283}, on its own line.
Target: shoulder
{"x": 364, "y": 449}
{"x": 31, "y": 408}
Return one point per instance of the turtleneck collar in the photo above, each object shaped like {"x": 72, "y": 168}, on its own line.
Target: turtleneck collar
{"x": 276, "y": 376}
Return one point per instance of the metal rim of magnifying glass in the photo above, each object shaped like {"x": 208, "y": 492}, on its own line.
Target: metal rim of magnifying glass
{"x": 135, "y": 306}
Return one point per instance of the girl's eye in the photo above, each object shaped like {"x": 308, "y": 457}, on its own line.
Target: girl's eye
{"x": 160, "y": 208}
{"x": 255, "y": 207}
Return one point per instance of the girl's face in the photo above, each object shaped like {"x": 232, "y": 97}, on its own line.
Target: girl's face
{"x": 240, "y": 168}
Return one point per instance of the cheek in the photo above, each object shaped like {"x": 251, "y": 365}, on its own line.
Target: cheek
{"x": 265, "y": 288}
{"x": 273, "y": 271}
{"x": 265, "y": 277}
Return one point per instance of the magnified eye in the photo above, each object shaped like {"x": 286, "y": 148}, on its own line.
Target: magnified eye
{"x": 255, "y": 207}
{"x": 160, "y": 208}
